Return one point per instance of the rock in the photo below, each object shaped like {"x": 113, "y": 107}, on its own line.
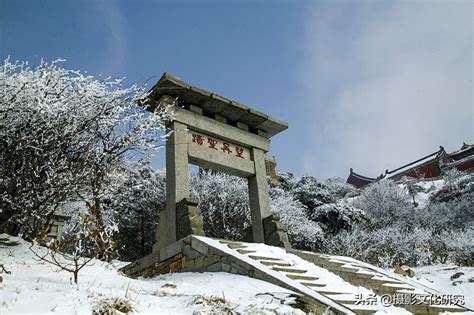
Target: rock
{"x": 404, "y": 271}
{"x": 169, "y": 285}
{"x": 8, "y": 242}
{"x": 457, "y": 275}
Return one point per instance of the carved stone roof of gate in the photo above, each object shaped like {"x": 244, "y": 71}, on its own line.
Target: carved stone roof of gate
{"x": 212, "y": 104}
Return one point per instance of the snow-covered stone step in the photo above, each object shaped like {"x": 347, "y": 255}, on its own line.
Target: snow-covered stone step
{"x": 245, "y": 251}
{"x": 343, "y": 298}
{"x": 385, "y": 279}
{"x": 289, "y": 270}
{"x": 326, "y": 292}
{"x": 312, "y": 284}
{"x": 264, "y": 258}
{"x": 301, "y": 277}
{"x": 236, "y": 245}
{"x": 403, "y": 286}
{"x": 275, "y": 263}
{"x": 415, "y": 291}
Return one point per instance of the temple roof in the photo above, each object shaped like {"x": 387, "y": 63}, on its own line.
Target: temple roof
{"x": 440, "y": 157}
{"x": 410, "y": 166}
{"x": 211, "y": 103}
{"x": 359, "y": 180}
{"x": 370, "y": 179}
{"x": 465, "y": 151}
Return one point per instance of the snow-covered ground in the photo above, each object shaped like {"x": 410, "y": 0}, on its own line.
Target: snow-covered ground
{"x": 37, "y": 288}
{"x": 439, "y": 277}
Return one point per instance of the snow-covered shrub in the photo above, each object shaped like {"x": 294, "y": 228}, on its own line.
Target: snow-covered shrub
{"x": 223, "y": 200}
{"x": 454, "y": 214}
{"x": 385, "y": 247}
{"x": 457, "y": 184}
{"x": 86, "y": 239}
{"x": 62, "y": 135}
{"x": 113, "y": 306}
{"x": 311, "y": 193}
{"x": 135, "y": 206}
{"x": 335, "y": 217}
{"x": 352, "y": 243}
{"x": 384, "y": 202}
{"x": 89, "y": 233}
{"x": 302, "y": 232}
{"x": 213, "y": 305}
{"x": 460, "y": 245}
{"x": 287, "y": 181}
{"x": 339, "y": 188}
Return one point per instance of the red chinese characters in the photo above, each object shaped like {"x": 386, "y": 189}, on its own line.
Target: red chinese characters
{"x": 215, "y": 145}
{"x": 239, "y": 152}
{"x": 226, "y": 148}
{"x": 198, "y": 139}
{"x": 212, "y": 143}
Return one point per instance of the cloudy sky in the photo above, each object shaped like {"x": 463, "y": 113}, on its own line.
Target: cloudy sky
{"x": 364, "y": 84}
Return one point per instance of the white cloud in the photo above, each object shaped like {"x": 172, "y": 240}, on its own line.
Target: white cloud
{"x": 115, "y": 39}
{"x": 388, "y": 83}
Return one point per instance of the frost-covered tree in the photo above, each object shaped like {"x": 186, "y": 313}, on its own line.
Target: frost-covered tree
{"x": 457, "y": 184}
{"x": 384, "y": 202}
{"x": 86, "y": 240}
{"x": 135, "y": 206}
{"x": 311, "y": 193}
{"x": 460, "y": 246}
{"x": 339, "y": 188}
{"x": 62, "y": 136}
{"x": 455, "y": 214}
{"x": 335, "y": 217}
{"x": 287, "y": 181}
{"x": 302, "y": 232}
{"x": 385, "y": 247}
{"x": 223, "y": 200}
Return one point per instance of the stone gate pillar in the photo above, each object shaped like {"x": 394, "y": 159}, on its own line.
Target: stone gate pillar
{"x": 177, "y": 181}
{"x": 258, "y": 195}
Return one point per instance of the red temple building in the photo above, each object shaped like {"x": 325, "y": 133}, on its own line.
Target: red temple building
{"x": 430, "y": 166}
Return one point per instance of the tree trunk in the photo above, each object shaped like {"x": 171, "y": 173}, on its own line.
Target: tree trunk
{"x": 143, "y": 234}
{"x": 75, "y": 276}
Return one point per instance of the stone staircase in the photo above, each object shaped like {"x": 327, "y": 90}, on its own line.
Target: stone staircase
{"x": 380, "y": 281}
{"x": 338, "y": 285}
{"x": 354, "y": 273}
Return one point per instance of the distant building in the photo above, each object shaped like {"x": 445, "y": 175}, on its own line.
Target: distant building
{"x": 430, "y": 166}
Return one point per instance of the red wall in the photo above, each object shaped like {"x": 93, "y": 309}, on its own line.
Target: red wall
{"x": 466, "y": 166}
{"x": 425, "y": 171}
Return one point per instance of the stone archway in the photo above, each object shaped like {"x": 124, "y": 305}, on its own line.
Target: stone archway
{"x": 210, "y": 131}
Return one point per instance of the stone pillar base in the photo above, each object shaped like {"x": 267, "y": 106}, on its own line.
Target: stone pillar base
{"x": 274, "y": 232}
{"x": 188, "y": 219}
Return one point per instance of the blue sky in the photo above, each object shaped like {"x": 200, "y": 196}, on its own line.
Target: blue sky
{"x": 363, "y": 84}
